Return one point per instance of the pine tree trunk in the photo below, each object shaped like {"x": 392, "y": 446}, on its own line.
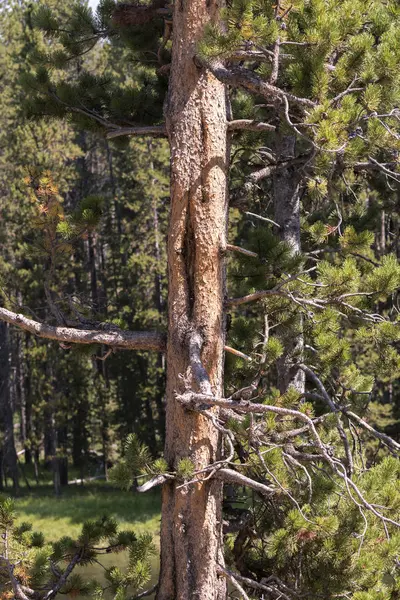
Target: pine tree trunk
{"x": 286, "y": 189}
{"x": 191, "y": 528}
{"x": 9, "y": 455}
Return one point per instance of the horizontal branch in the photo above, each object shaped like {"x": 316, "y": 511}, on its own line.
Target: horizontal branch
{"x": 154, "y": 482}
{"x": 253, "y": 55}
{"x": 250, "y": 214}
{"x": 249, "y": 125}
{"x": 231, "y": 476}
{"x": 260, "y": 586}
{"x": 193, "y": 401}
{"x": 244, "y": 78}
{"x": 232, "y": 248}
{"x": 265, "y": 172}
{"x": 145, "y": 593}
{"x": 151, "y": 130}
{"x": 237, "y": 353}
{"x": 128, "y": 340}
{"x": 254, "y": 297}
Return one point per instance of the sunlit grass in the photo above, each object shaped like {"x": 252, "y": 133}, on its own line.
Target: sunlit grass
{"x": 56, "y": 517}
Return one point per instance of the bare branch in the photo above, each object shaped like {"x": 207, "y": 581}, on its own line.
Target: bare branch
{"x": 381, "y": 436}
{"x": 351, "y": 415}
{"x": 275, "y": 62}
{"x": 129, "y": 340}
{"x": 238, "y": 353}
{"x": 232, "y": 248}
{"x": 254, "y": 55}
{"x": 279, "y": 593}
{"x": 231, "y": 577}
{"x": 313, "y": 376}
{"x": 154, "y": 482}
{"x": 249, "y": 125}
{"x": 151, "y": 130}
{"x": 381, "y": 167}
{"x": 231, "y": 476}
{"x": 250, "y": 214}
{"x": 145, "y": 593}
{"x": 265, "y": 172}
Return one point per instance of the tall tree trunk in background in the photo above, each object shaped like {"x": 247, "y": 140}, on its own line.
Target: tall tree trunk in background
{"x": 286, "y": 190}
{"x": 191, "y": 526}
{"x": 92, "y": 259}
{"x": 21, "y": 390}
{"x": 50, "y": 433}
{"x": 9, "y": 465}
{"x": 160, "y": 304}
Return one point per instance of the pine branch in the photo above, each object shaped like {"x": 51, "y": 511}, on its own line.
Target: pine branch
{"x": 196, "y": 401}
{"x": 387, "y": 440}
{"x": 128, "y": 340}
{"x": 61, "y": 582}
{"x": 244, "y": 78}
{"x": 192, "y": 400}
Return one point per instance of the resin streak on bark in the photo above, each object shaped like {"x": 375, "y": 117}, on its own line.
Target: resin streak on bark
{"x": 197, "y": 129}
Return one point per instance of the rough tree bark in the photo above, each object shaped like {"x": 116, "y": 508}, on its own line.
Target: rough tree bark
{"x": 286, "y": 192}
{"x": 191, "y": 529}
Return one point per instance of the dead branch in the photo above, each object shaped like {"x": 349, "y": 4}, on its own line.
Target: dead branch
{"x": 129, "y": 340}
{"x": 150, "y": 130}
{"x": 249, "y": 125}
{"x": 231, "y": 476}
{"x": 244, "y": 78}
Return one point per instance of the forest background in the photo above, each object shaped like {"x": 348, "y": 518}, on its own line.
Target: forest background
{"x": 66, "y": 411}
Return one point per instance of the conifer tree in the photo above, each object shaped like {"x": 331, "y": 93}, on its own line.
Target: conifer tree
{"x": 312, "y": 96}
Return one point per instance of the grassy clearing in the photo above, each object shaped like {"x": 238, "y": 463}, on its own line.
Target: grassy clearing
{"x": 56, "y": 517}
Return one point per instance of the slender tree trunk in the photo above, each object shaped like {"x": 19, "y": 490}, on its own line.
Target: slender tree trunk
{"x": 28, "y": 418}
{"x": 50, "y": 435}
{"x": 286, "y": 189}
{"x": 9, "y": 455}
{"x": 160, "y": 304}
{"x": 21, "y": 390}
{"x": 191, "y": 529}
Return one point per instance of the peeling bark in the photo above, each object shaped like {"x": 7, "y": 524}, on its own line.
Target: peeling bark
{"x": 191, "y": 530}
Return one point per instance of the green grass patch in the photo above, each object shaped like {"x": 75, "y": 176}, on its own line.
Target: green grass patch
{"x": 56, "y": 517}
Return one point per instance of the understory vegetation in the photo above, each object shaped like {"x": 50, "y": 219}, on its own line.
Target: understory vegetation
{"x": 199, "y": 300}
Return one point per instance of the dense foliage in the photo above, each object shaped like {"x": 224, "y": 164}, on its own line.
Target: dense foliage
{"x": 312, "y": 367}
